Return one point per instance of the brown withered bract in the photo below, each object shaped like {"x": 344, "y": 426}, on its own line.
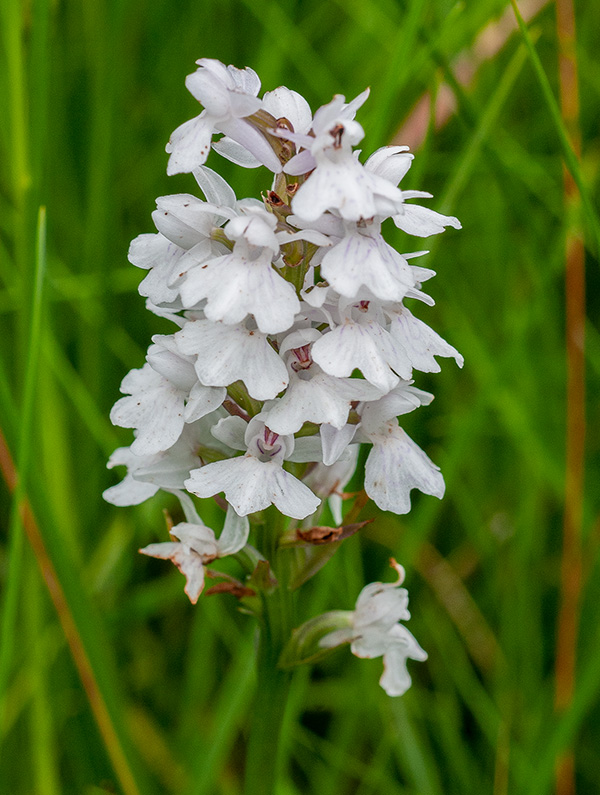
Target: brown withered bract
{"x": 236, "y": 589}
{"x": 328, "y": 535}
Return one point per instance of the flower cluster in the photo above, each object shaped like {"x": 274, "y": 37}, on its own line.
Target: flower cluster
{"x": 293, "y": 340}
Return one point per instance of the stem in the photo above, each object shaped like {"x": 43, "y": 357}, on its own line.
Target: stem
{"x": 272, "y": 684}
{"x": 571, "y": 560}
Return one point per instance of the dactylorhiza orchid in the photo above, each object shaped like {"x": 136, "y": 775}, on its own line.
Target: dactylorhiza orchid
{"x": 293, "y": 343}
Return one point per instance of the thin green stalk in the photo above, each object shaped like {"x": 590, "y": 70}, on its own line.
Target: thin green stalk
{"x": 43, "y": 744}
{"x": 570, "y": 157}
{"x": 15, "y": 551}
{"x": 272, "y": 683}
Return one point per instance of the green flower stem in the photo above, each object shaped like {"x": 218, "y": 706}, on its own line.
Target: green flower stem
{"x": 272, "y": 683}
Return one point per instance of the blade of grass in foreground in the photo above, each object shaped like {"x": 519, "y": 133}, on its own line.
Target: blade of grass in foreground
{"x": 85, "y": 635}
{"x": 82, "y": 628}
{"x": 24, "y": 450}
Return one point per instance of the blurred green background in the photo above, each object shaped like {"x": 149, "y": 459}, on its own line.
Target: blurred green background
{"x": 135, "y": 690}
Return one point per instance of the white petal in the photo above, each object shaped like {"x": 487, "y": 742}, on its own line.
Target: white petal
{"x": 251, "y": 485}
{"x": 231, "y": 431}
{"x": 210, "y": 90}
{"x": 395, "y": 679}
{"x": 240, "y": 287}
{"x": 184, "y": 219}
{"x": 214, "y": 187}
{"x": 395, "y": 466}
{"x": 155, "y": 410}
{"x": 422, "y": 222}
{"x": 160, "y": 256}
{"x": 367, "y": 260}
{"x": 242, "y": 479}
{"x": 245, "y": 80}
{"x": 329, "y": 481}
{"x": 349, "y": 109}
{"x": 231, "y": 353}
{"x": 188, "y": 563}
{"x": 291, "y": 496}
{"x": 421, "y": 343}
{"x": 284, "y": 103}
{"x": 198, "y": 537}
{"x": 203, "y": 400}
{"x": 307, "y": 449}
{"x": 190, "y": 144}
{"x": 335, "y": 441}
{"x": 165, "y": 359}
{"x": 129, "y": 491}
{"x": 235, "y": 153}
{"x": 322, "y": 398}
{"x": 403, "y": 399}
{"x": 390, "y": 162}
{"x": 367, "y": 347}
{"x": 235, "y": 533}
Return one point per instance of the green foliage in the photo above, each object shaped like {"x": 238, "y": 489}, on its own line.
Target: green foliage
{"x": 131, "y": 689}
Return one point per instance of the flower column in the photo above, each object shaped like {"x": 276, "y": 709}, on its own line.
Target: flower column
{"x": 292, "y": 344}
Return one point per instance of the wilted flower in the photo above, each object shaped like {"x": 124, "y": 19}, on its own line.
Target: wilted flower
{"x": 374, "y": 631}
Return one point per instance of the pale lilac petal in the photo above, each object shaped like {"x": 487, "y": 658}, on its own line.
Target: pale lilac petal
{"x": 301, "y": 163}
{"x": 252, "y": 140}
